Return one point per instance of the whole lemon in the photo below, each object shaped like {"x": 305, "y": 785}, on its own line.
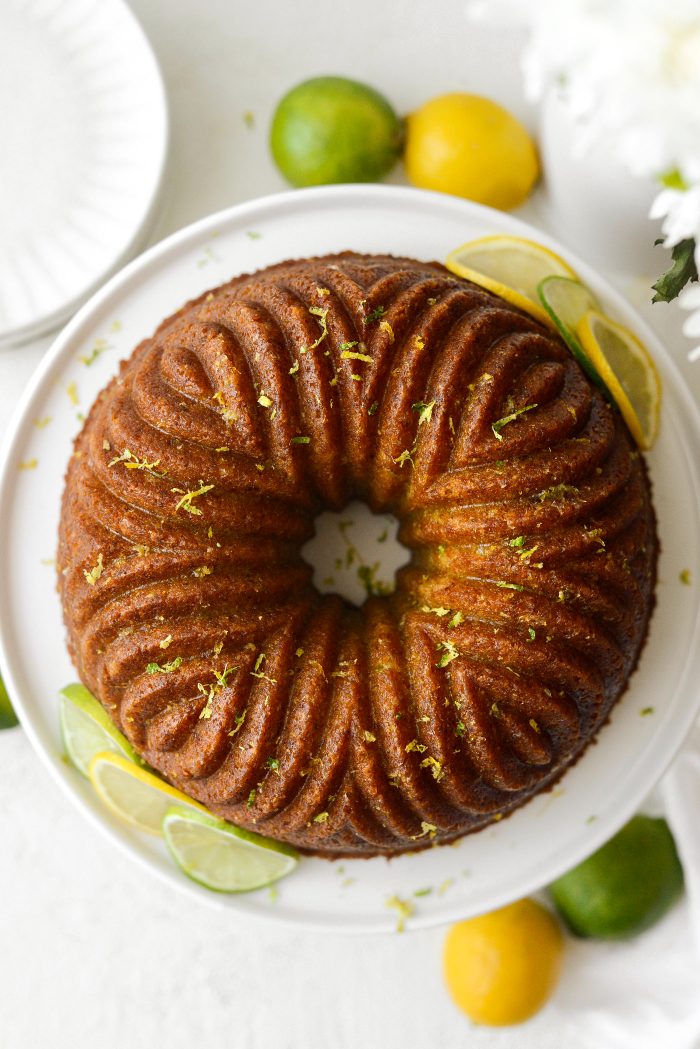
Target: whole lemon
{"x": 500, "y": 968}
{"x": 624, "y": 887}
{"x": 332, "y": 129}
{"x": 471, "y": 147}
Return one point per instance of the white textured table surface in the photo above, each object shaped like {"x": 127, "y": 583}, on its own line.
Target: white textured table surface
{"x": 93, "y": 951}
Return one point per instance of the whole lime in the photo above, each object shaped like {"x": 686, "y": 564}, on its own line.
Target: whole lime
{"x": 8, "y": 718}
{"x": 331, "y": 129}
{"x": 624, "y": 887}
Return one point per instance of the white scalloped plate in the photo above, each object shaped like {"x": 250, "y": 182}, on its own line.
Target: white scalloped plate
{"x": 482, "y": 871}
{"x": 84, "y": 136}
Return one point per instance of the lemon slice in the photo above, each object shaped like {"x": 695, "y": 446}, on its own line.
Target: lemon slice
{"x": 135, "y": 794}
{"x": 223, "y": 857}
{"x": 511, "y": 267}
{"x": 8, "y": 718}
{"x": 87, "y": 729}
{"x": 628, "y": 371}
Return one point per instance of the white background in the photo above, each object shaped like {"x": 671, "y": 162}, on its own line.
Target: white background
{"x": 93, "y": 952}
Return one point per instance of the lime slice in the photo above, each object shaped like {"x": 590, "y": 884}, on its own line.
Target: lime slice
{"x": 566, "y": 301}
{"x": 627, "y": 370}
{"x": 511, "y": 267}
{"x": 135, "y": 794}
{"x": 87, "y": 729}
{"x": 223, "y": 857}
{"x": 8, "y": 718}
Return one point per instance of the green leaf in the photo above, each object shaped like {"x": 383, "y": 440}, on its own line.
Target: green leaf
{"x": 683, "y": 270}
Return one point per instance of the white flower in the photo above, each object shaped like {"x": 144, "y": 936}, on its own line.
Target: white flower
{"x": 680, "y": 210}
{"x": 629, "y": 71}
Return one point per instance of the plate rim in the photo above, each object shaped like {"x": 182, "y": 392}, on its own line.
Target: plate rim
{"x": 18, "y": 336}
{"x": 160, "y": 254}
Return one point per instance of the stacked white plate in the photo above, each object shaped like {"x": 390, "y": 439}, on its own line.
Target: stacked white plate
{"x": 83, "y": 121}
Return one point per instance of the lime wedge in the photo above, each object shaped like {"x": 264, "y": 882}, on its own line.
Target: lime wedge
{"x": 87, "y": 729}
{"x": 8, "y": 718}
{"x": 222, "y": 857}
{"x": 136, "y": 795}
{"x": 566, "y": 301}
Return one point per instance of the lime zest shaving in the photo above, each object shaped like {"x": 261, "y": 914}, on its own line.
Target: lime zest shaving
{"x": 385, "y": 326}
{"x": 375, "y": 314}
{"x": 226, "y": 413}
{"x": 435, "y": 767}
{"x": 450, "y": 652}
{"x": 321, "y": 315}
{"x": 95, "y": 572}
{"x": 404, "y": 909}
{"x": 425, "y": 411}
{"x": 240, "y": 718}
{"x": 188, "y": 497}
{"x": 374, "y": 587}
{"x": 350, "y": 355}
{"x": 404, "y": 457}
{"x": 414, "y": 745}
{"x": 132, "y": 462}
{"x": 211, "y": 691}
{"x": 257, "y": 672}
{"x": 98, "y": 348}
{"x": 429, "y": 830}
{"x": 165, "y": 668}
{"x": 557, "y": 491}
{"x": 500, "y": 423}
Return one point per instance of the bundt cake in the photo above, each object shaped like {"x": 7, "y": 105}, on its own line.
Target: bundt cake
{"x": 422, "y": 715}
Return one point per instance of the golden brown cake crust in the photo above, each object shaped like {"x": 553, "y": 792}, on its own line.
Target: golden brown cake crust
{"x": 512, "y": 632}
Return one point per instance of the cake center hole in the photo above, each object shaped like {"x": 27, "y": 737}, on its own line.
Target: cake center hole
{"x": 355, "y": 553}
